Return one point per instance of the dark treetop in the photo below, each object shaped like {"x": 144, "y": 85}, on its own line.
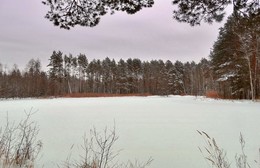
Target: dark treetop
{"x": 68, "y": 13}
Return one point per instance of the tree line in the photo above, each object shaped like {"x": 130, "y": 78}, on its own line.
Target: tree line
{"x": 69, "y": 74}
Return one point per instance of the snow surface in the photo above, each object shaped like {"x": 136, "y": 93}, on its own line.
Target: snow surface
{"x": 161, "y": 127}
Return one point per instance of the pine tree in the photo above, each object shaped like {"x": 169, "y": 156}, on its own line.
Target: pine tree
{"x": 69, "y": 13}
{"x": 247, "y": 29}
{"x": 122, "y": 77}
{"x": 82, "y": 68}
{"x": 169, "y": 67}
{"x": 56, "y": 73}
{"x": 67, "y": 72}
{"x": 107, "y": 75}
{"x": 229, "y": 63}
{"x": 194, "y": 12}
{"x": 163, "y": 79}
{"x": 137, "y": 75}
{"x": 147, "y": 77}
{"x": 179, "y": 87}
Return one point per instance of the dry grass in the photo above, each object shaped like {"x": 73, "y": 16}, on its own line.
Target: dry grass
{"x": 78, "y": 95}
{"x": 19, "y": 145}
{"x": 213, "y": 153}
{"x": 212, "y": 94}
{"x": 216, "y": 156}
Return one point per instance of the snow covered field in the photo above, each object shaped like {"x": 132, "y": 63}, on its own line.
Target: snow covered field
{"x": 161, "y": 127}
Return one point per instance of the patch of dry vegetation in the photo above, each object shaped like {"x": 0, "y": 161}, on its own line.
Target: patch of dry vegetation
{"x": 78, "y": 95}
{"x": 19, "y": 145}
{"x": 212, "y": 94}
{"x": 216, "y": 156}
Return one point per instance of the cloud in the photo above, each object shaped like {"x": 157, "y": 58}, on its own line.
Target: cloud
{"x": 149, "y": 34}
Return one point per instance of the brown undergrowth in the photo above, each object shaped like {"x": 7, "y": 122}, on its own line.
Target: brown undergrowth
{"x": 78, "y": 95}
{"x": 212, "y": 94}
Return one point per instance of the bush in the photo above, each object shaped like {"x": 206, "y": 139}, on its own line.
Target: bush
{"x": 99, "y": 152}
{"x": 19, "y": 146}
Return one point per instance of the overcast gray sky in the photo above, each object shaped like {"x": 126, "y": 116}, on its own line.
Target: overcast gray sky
{"x": 149, "y": 34}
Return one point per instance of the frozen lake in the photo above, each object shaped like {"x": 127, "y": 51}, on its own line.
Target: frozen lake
{"x": 163, "y": 128}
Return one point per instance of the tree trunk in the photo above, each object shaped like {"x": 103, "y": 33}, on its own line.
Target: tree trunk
{"x": 69, "y": 87}
{"x": 250, "y": 78}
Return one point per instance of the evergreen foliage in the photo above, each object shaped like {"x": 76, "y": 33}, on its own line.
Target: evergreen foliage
{"x": 68, "y": 13}
{"x": 194, "y": 12}
{"x": 235, "y": 57}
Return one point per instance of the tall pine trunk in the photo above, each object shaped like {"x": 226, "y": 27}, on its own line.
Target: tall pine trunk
{"x": 251, "y": 78}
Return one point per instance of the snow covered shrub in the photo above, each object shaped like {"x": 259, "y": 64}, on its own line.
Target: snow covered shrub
{"x": 19, "y": 146}
{"x": 212, "y": 94}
